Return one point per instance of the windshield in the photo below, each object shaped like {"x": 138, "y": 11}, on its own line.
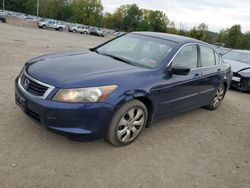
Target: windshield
{"x": 238, "y": 56}
{"x": 138, "y": 50}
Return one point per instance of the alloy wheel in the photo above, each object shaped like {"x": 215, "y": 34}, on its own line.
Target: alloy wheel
{"x": 218, "y": 97}
{"x": 131, "y": 124}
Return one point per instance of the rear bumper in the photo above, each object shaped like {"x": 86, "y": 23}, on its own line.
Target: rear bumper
{"x": 89, "y": 120}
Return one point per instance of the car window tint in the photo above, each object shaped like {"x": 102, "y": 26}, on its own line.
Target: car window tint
{"x": 207, "y": 56}
{"x": 217, "y": 58}
{"x": 187, "y": 57}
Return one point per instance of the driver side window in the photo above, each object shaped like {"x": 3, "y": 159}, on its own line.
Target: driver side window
{"x": 187, "y": 57}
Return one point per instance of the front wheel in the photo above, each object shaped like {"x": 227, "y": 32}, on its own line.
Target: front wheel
{"x": 127, "y": 123}
{"x": 217, "y": 99}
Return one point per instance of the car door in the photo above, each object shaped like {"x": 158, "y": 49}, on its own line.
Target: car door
{"x": 50, "y": 23}
{"x": 179, "y": 93}
{"x": 212, "y": 75}
{"x": 53, "y": 24}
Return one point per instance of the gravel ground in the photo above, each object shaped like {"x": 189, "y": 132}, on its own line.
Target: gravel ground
{"x": 195, "y": 149}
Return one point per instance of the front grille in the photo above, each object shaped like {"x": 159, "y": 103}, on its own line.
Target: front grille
{"x": 32, "y": 86}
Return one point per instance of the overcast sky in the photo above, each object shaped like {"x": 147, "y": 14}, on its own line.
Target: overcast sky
{"x": 217, "y": 14}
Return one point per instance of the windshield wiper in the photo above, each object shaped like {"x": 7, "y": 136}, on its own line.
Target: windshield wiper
{"x": 119, "y": 59}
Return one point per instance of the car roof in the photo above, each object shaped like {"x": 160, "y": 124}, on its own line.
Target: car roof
{"x": 170, "y": 37}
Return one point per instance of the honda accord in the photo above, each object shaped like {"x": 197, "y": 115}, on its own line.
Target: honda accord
{"x": 118, "y": 88}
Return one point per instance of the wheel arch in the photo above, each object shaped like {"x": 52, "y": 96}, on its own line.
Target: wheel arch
{"x": 142, "y": 97}
{"x": 150, "y": 107}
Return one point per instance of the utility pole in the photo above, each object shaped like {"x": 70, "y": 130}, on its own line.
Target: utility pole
{"x": 3, "y": 5}
{"x": 37, "y": 8}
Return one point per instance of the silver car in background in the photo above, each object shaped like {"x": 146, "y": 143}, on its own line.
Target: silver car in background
{"x": 49, "y": 23}
{"x": 78, "y": 29}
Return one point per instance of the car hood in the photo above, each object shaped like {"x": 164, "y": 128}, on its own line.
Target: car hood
{"x": 59, "y": 68}
{"x": 237, "y": 65}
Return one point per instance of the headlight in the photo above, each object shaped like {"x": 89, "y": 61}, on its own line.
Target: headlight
{"x": 91, "y": 94}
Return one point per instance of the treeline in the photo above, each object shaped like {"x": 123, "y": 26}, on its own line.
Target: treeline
{"x": 126, "y": 18}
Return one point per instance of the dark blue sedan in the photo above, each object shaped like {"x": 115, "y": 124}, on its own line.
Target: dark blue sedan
{"x": 117, "y": 89}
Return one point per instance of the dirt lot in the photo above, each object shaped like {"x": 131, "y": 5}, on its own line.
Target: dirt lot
{"x": 196, "y": 149}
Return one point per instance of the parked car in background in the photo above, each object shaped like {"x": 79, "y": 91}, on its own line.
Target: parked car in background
{"x": 49, "y": 23}
{"x": 117, "y": 89}
{"x": 96, "y": 32}
{"x": 78, "y": 29}
{"x": 31, "y": 18}
{"x": 119, "y": 33}
{"x": 240, "y": 63}
{"x": 222, "y": 51}
{"x": 2, "y": 19}
{"x": 220, "y": 48}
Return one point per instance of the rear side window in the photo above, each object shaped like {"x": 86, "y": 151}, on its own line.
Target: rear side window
{"x": 207, "y": 56}
{"x": 187, "y": 57}
{"x": 217, "y": 58}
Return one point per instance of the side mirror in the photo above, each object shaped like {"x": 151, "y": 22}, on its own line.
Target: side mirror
{"x": 180, "y": 70}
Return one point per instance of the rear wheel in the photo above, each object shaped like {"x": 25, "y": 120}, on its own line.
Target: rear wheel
{"x": 217, "y": 99}
{"x": 74, "y": 30}
{"x": 44, "y": 26}
{"x": 60, "y": 29}
{"x": 127, "y": 123}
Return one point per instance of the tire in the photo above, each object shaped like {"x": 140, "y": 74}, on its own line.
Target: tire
{"x": 74, "y": 31}
{"x": 85, "y": 32}
{"x": 44, "y": 27}
{"x": 60, "y": 29}
{"x": 217, "y": 98}
{"x": 127, "y": 123}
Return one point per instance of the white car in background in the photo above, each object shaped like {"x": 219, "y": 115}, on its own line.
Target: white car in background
{"x": 44, "y": 24}
{"x": 79, "y": 29}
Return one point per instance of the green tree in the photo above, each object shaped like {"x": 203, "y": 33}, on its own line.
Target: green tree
{"x": 158, "y": 20}
{"x": 52, "y": 8}
{"x": 234, "y": 38}
{"x": 24, "y": 6}
{"x": 222, "y": 36}
{"x": 246, "y": 41}
{"x": 132, "y": 16}
{"x": 145, "y": 24}
{"x": 200, "y": 32}
{"x": 87, "y": 12}
{"x": 171, "y": 28}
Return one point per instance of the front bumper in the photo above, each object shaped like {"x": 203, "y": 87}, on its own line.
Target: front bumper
{"x": 240, "y": 82}
{"x": 89, "y": 121}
